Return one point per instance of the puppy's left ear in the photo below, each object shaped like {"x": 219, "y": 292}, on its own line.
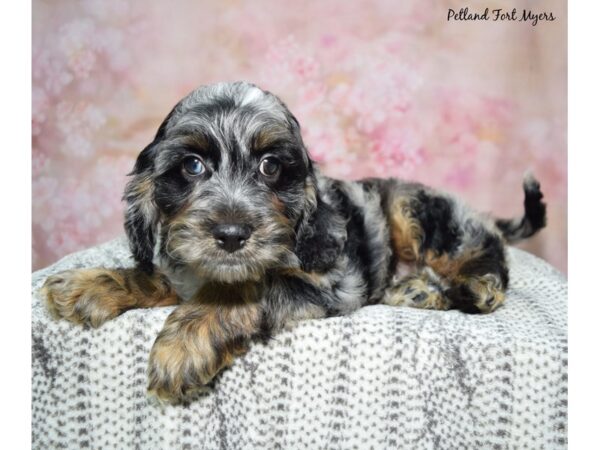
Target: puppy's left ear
{"x": 321, "y": 236}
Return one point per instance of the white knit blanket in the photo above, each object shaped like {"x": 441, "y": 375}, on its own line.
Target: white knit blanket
{"x": 383, "y": 377}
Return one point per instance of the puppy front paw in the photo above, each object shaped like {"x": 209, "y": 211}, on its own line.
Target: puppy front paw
{"x": 179, "y": 367}
{"x": 197, "y": 342}
{"x": 81, "y": 296}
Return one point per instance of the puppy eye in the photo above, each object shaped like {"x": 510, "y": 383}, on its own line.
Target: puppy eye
{"x": 270, "y": 167}
{"x": 193, "y": 166}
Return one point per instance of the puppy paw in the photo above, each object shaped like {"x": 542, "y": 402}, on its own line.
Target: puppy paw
{"x": 417, "y": 292}
{"x": 89, "y": 296}
{"x": 488, "y": 293}
{"x": 477, "y": 295}
{"x": 197, "y": 342}
{"x": 423, "y": 297}
{"x": 178, "y": 369}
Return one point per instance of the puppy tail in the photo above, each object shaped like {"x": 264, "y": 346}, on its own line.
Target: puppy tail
{"x": 534, "y": 219}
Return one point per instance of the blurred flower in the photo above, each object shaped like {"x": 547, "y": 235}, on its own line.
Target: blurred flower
{"x": 77, "y": 124}
{"x": 397, "y": 151}
{"x": 49, "y": 71}
{"x": 76, "y": 41}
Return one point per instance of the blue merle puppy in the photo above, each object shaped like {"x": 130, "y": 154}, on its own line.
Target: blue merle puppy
{"x": 228, "y": 218}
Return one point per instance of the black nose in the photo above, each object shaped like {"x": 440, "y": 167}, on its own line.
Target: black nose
{"x": 231, "y": 236}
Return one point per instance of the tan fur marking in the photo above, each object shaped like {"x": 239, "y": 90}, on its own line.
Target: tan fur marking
{"x": 279, "y": 217}
{"x": 313, "y": 278}
{"x": 96, "y": 295}
{"x": 143, "y": 187}
{"x": 278, "y": 204}
{"x": 197, "y": 140}
{"x": 406, "y": 232}
{"x": 268, "y": 136}
{"x": 310, "y": 194}
{"x": 447, "y": 266}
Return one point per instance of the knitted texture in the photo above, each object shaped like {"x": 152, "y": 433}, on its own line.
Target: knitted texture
{"x": 383, "y": 377}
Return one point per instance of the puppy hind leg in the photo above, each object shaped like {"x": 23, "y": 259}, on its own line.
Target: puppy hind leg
{"x": 480, "y": 282}
{"x": 477, "y": 294}
{"x": 473, "y": 295}
{"x": 461, "y": 249}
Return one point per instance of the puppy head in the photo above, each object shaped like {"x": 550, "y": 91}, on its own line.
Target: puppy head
{"x": 226, "y": 186}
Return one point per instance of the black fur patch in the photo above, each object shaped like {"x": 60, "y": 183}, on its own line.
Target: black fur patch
{"x": 171, "y": 191}
{"x": 141, "y": 242}
{"x": 145, "y": 160}
{"x": 534, "y": 218}
{"x": 535, "y": 209}
{"x": 491, "y": 261}
{"x": 441, "y": 233}
{"x": 463, "y": 299}
{"x": 316, "y": 247}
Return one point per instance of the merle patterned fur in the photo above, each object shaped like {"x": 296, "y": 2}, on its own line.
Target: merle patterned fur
{"x": 226, "y": 205}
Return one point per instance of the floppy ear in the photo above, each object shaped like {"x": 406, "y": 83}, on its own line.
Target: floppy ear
{"x": 141, "y": 214}
{"x": 321, "y": 236}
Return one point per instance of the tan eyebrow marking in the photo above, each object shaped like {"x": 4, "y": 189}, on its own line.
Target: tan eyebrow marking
{"x": 195, "y": 140}
{"x": 268, "y": 136}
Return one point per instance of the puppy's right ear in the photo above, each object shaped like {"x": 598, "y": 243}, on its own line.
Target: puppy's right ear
{"x": 141, "y": 215}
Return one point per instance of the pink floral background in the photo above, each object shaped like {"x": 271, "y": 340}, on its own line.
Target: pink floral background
{"x": 382, "y": 88}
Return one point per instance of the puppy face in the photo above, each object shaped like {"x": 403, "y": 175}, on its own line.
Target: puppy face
{"x": 224, "y": 186}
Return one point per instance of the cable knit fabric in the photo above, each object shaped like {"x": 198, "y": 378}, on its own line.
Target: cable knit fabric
{"x": 381, "y": 378}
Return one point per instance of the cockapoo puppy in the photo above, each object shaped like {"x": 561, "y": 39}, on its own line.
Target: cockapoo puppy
{"x": 228, "y": 218}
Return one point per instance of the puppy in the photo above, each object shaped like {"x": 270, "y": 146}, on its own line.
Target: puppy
{"x": 228, "y": 218}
